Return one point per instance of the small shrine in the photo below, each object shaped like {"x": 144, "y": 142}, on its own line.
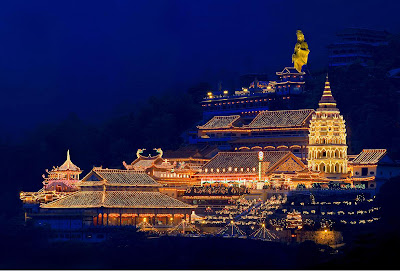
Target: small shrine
{"x": 62, "y": 178}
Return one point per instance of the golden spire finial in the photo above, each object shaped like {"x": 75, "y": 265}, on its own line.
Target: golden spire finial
{"x": 68, "y": 157}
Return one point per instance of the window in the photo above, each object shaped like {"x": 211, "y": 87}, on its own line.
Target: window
{"x": 364, "y": 171}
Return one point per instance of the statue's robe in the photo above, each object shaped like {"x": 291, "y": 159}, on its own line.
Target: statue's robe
{"x": 300, "y": 56}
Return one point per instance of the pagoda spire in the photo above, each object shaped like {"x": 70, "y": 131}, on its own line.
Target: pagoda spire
{"x": 327, "y": 102}
{"x": 68, "y": 156}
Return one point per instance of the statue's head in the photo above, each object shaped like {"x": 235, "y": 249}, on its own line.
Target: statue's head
{"x": 300, "y": 35}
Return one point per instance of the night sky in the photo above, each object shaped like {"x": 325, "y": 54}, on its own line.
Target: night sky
{"x": 93, "y": 57}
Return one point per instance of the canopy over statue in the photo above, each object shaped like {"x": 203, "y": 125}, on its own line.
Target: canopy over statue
{"x": 301, "y": 51}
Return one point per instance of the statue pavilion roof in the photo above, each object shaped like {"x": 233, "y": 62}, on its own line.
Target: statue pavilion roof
{"x": 117, "y": 199}
{"x": 281, "y": 118}
{"x": 289, "y": 70}
{"x": 369, "y": 156}
{"x": 218, "y": 122}
{"x": 68, "y": 165}
{"x": 118, "y": 177}
{"x": 243, "y": 162}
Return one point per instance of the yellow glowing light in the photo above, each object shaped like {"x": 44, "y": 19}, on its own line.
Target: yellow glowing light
{"x": 225, "y": 92}
{"x": 325, "y": 230}
{"x": 209, "y": 93}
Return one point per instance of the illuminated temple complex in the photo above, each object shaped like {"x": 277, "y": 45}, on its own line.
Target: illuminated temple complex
{"x": 269, "y": 130}
{"x": 250, "y": 147}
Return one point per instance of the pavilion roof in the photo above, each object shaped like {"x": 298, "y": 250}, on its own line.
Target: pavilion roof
{"x": 117, "y": 199}
{"x": 68, "y": 165}
{"x": 118, "y": 177}
{"x": 218, "y": 122}
{"x": 369, "y": 156}
{"x": 227, "y": 162}
{"x": 281, "y": 118}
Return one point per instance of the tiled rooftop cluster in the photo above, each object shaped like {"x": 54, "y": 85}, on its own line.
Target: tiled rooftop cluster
{"x": 117, "y": 199}
{"x": 220, "y": 122}
{"x": 281, "y": 118}
{"x": 118, "y": 177}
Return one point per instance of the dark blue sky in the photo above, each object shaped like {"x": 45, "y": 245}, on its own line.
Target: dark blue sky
{"x": 87, "y": 57}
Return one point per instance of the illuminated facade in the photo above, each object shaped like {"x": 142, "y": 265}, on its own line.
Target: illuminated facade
{"x": 170, "y": 172}
{"x": 248, "y": 168}
{"x": 259, "y": 96}
{"x": 283, "y": 130}
{"x": 113, "y": 197}
{"x": 175, "y": 174}
{"x": 371, "y": 166}
{"x": 63, "y": 178}
{"x": 327, "y": 149}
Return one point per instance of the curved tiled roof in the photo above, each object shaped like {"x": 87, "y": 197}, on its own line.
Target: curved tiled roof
{"x": 281, "y": 118}
{"x": 119, "y": 177}
{"x": 226, "y": 162}
{"x": 117, "y": 199}
{"x": 369, "y": 156}
{"x": 145, "y": 163}
{"x": 220, "y": 122}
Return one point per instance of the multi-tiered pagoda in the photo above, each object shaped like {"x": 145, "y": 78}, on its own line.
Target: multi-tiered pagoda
{"x": 327, "y": 149}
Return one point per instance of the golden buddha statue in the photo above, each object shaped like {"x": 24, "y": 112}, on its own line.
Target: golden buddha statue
{"x": 301, "y": 51}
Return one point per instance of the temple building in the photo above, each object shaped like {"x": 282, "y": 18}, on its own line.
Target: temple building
{"x": 259, "y": 96}
{"x": 270, "y": 130}
{"x": 59, "y": 182}
{"x": 175, "y": 174}
{"x": 249, "y": 168}
{"x": 327, "y": 149}
{"x": 290, "y": 82}
{"x": 63, "y": 178}
{"x": 371, "y": 166}
{"x": 169, "y": 172}
{"x": 112, "y": 197}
